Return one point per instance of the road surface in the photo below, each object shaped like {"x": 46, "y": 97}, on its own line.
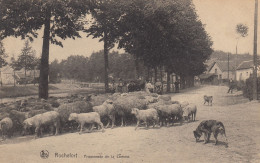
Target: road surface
{"x": 166, "y": 144}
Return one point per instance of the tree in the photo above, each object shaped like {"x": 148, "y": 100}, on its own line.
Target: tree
{"x": 165, "y": 33}
{"x": 104, "y": 26}
{"x": 58, "y": 18}
{"x": 2, "y": 59}
{"x": 26, "y": 59}
{"x": 242, "y": 31}
{"x": 2, "y": 55}
{"x": 55, "y": 71}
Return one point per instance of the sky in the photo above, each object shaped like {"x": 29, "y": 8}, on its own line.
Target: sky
{"x": 220, "y": 18}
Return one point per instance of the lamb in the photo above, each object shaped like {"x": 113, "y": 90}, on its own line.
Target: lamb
{"x": 106, "y": 110}
{"x": 188, "y": 111}
{"x": 145, "y": 115}
{"x": 40, "y": 120}
{"x": 84, "y": 118}
{"x": 6, "y": 125}
{"x": 124, "y": 104}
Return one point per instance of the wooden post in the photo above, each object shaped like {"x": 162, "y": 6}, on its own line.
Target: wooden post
{"x": 255, "y": 53}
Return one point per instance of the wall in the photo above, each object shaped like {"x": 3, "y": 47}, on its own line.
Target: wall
{"x": 243, "y": 74}
{"x": 219, "y": 72}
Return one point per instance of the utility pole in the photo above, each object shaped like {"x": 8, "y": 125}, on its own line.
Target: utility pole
{"x": 228, "y": 67}
{"x": 255, "y": 53}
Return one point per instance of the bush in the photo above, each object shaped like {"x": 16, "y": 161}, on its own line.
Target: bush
{"x": 240, "y": 85}
{"x": 248, "y": 88}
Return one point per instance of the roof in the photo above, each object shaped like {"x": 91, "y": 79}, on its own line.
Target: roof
{"x": 223, "y": 65}
{"x": 206, "y": 76}
{"x": 7, "y": 69}
{"x": 246, "y": 65}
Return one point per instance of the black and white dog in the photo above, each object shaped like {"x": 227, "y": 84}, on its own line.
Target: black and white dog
{"x": 207, "y": 127}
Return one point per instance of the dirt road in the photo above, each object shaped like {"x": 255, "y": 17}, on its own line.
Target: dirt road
{"x": 166, "y": 144}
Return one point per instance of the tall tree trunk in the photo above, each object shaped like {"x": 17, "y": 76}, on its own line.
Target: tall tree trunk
{"x": 25, "y": 75}
{"x": 168, "y": 82}
{"x": 155, "y": 74}
{"x": 136, "y": 67}
{"x": 182, "y": 82}
{"x": 106, "y": 61}
{"x": 44, "y": 67}
{"x": 148, "y": 73}
{"x": 161, "y": 74}
{"x": 192, "y": 81}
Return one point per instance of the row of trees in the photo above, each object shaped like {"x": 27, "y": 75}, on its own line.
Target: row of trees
{"x": 158, "y": 33}
{"x": 91, "y": 69}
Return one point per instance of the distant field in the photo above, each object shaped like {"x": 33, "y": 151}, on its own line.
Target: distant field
{"x": 28, "y": 90}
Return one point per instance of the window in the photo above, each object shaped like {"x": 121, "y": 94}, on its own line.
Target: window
{"x": 216, "y": 71}
{"x": 246, "y": 73}
{"x": 220, "y": 76}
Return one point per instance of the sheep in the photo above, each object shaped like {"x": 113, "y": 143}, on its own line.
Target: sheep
{"x": 188, "y": 111}
{"x": 124, "y": 104}
{"x": 35, "y": 112}
{"x": 19, "y": 116}
{"x": 76, "y": 107}
{"x": 106, "y": 110}
{"x": 167, "y": 112}
{"x": 159, "y": 103}
{"x": 6, "y": 125}
{"x": 96, "y": 100}
{"x": 82, "y": 118}
{"x": 150, "y": 99}
{"x": 184, "y": 104}
{"x": 145, "y": 115}
{"x": 41, "y": 120}
{"x": 164, "y": 97}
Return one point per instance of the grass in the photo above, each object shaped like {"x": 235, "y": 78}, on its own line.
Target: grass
{"x": 29, "y": 90}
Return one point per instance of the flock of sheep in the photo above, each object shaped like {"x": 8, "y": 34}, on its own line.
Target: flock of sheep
{"x": 69, "y": 114}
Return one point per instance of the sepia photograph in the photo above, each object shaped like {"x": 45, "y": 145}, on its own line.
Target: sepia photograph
{"x": 129, "y": 81}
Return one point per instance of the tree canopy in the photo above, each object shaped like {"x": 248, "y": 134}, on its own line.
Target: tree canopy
{"x": 3, "y": 55}
{"x": 59, "y": 19}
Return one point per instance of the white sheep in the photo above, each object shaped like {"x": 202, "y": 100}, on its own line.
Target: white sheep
{"x": 190, "y": 110}
{"x": 164, "y": 97}
{"x": 169, "y": 112}
{"x": 106, "y": 110}
{"x": 40, "y": 120}
{"x": 184, "y": 104}
{"x": 145, "y": 115}
{"x": 124, "y": 104}
{"x": 84, "y": 118}
{"x": 6, "y": 125}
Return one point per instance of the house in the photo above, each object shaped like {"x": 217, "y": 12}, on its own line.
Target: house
{"x": 6, "y": 75}
{"x": 244, "y": 70}
{"x": 223, "y": 69}
{"x": 9, "y": 76}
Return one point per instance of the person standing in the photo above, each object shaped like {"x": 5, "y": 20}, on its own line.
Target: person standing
{"x": 176, "y": 83}
{"x": 231, "y": 86}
